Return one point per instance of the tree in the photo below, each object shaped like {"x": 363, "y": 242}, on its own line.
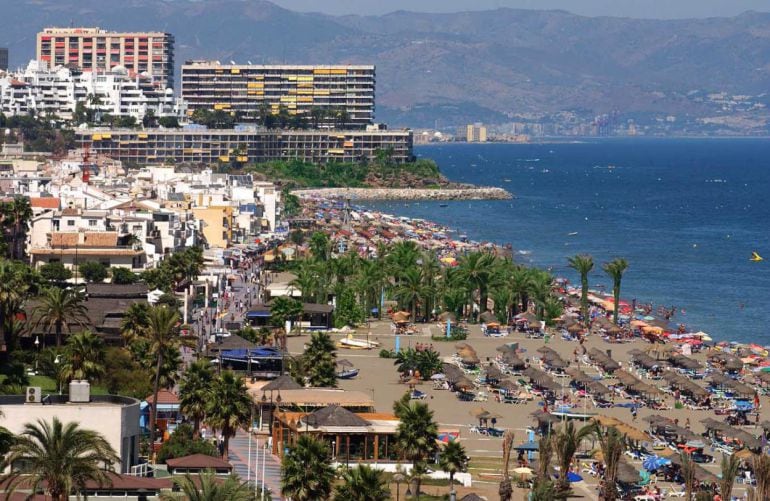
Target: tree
{"x": 126, "y": 376}
{"x": 306, "y": 474}
{"x": 416, "y": 433}
{"x": 59, "y": 308}
{"x": 544, "y": 489}
{"x": 229, "y": 407}
{"x": 123, "y": 276}
{"x": 320, "y": 360}
{"x": 348, "y": 311}
{"x": 185, "y": 442}
{"x": 583, "y": 264}
{"x": 55, "y": 272}
{"x": 135, "y": 322}
{"x": 17, "y": 283}
{"x": 687, "y": 469}
{"x": 730, "y": 467}
{"x": 83, "y": 357}
{"x": 195, "y": 392}
{"x": 169, "y": 122}
{"x": 615, "y": 269}
{"x": 612, "y": 444}
{"x": 565, "y": 445}
{"x": 506, "y": 489}
{"x": 320, "y": 246}
{"x": 452, "y": 459}
{"x": 93, "y": 271}
{"x": 477, "y": 268}
{"x": 58, "y": 459}
{"x": 15, "y": 216}
{"x": 210, "y": 487}
{"x": 283, "y": 309}
{"x": 162, "y": 334}
{"x": 362, "y": 483}
{"x": 410, "y": 289}
{"x": 760, "y": 464}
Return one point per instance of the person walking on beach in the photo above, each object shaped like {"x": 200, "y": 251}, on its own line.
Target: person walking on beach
{"x": 633, "y": 413}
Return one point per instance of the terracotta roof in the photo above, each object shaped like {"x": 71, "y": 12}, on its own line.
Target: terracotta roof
{"x": 198, "y": 461}
{"x": 165, "y": 397}
{"x": 69, "y": 239}
{"x": 45, "y": 202}
{"x": 282, "y": 383}
{"x": 100, "y": 239}
{"x": 130, "y": 482}
{"x": 70, "y": 211}
{"x": 335, "y": 416}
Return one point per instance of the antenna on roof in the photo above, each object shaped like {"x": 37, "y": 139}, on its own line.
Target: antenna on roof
{"x": 250, "y": 63}
{"x": 232, "y": 62}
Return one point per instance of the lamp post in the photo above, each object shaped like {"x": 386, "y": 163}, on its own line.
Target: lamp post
{"x": 37, "y": 350}
{"x": 398, "y": 478}
{"x": 57, "y": 361}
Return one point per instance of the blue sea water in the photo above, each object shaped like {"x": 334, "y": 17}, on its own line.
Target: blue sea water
{"x": 686, "y": 214}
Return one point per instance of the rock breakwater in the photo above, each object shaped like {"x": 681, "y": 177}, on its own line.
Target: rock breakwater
{"x": 476, "y": 193}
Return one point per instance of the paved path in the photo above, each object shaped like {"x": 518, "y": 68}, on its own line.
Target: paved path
{"x": 238, "y": 457}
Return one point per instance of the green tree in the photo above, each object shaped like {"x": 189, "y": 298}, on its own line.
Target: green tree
{"x": 93, "y": 271}
{"x": 55, "y": 272}
{"x": 730, "y": 467}
{"x": 123, "y": 276}
{"x": 283, "y": 309}
{"x": 348, "y": 311}
{"x": 229, "y": 407}
{"x": 195, "y": 392}
{"x": 362, "y": 483}
{"x": 477, "y": 268}
{"x": 583, "y": 264}
{"x": 615, "y": 270}
{"x": 59, "y": 308}
{"x": 135, "y": 322}
{"x": 57, "y": 459}
{"x": 15, "y": 216}
{"x": 185, "y": 442}
{"x": 544, "y": 488}
{"x": 320, "y": 246}
{"x": 565, "y": 445}
{"x": 416, "y": 433}
{"x": 306, "y": 473}
{"x": 612, "y": 443}
{"x": 83, "y": 357}
{"x": 410, "y": 290}
{"x": 169, "y": 122}
{"x": 453, "y": 459}
{"x": 162, "y": 335}
{"x": 125, "y": 376}
{"x": 687, "y": 469}
{"x": 17, "y": 283}
{"x": 320, "y": 359}
{"x": 506, "y": 489}
{"x": 210, "y": 487}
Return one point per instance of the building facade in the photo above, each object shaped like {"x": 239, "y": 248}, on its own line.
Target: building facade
{"x": 96, "y": 50}
{"x": 245, "y": 145}
{"x": 3, "y": 59}
{"x": 476, "y": 133}
{"x": 57, "y": 91}
{"x": 325, "y": 96}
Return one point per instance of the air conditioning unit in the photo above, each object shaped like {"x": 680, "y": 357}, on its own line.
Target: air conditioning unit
{"x": 34, "y": 395}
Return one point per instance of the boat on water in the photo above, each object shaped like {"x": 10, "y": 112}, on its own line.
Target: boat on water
{"x": 443, "y": 205}
{"x": 572, "y": 233}
{"x": 353, "y": 343}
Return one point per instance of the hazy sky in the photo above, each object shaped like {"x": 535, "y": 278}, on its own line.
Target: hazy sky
{"x": 631, "y": 8}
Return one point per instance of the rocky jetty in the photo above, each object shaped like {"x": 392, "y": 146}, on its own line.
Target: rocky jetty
{"x": 476, "y": 193}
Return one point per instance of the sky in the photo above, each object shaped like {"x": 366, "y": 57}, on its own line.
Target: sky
{"x": 660, "y": 9}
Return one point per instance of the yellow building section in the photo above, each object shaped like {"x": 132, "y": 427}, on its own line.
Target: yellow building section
{"x": 221, "y": 106}
{"x": 235, "y": 71}
{"x": 224, "y": 158}
{"x": 348, "y": 144}
{"x": 321, "y": 92}
{"x": 338, "y": 71}
{"x": 336, "y": 151}
{"x": 142, "y": 136}
{"x": 320, "y": 71}
{"x": 96, "y": 137}
{"x": 255, "y": 85}
{"x": 305, "y": 91}
{"x": 305, "y": 99}
{"x": 242, "y": 158}
{"x": 305, "y": 85}
{"x": 288, "y": 99}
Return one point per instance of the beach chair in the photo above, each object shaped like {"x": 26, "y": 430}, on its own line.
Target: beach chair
{"x": 675, "y": 492}
{"x": 590, "y": 469}
{"x": 481, "y": 397}
{"x": 418, "y": 395}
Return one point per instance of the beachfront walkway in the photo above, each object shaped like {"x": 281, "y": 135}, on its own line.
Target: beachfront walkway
{"x": 239, "y": 457}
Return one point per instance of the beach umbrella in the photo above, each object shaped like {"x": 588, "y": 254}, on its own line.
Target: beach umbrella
{"x": 482, "y": 413}
{"x": 447, "y": 437}
{"x": 448, "y": 328}
{"x": 652, "y": 463}
{"x": 527, "y": 446}
{"x": 344, "y": 363}
{"x": 574, "y": 329}
{"x": 573, "y": 477}
{"x": 438, "y": 377}
{"x": 448, "y": 316}
{"x": 523, "y": 471}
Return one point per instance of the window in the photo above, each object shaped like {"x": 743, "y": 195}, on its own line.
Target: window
{"x": 92, "y": 222}
{"x": 71, "y": 222}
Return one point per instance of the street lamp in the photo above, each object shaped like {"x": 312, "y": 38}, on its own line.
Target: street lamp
{"x": 57, "y": 361}
{"x": 37, "y": 349}
{"x": 398, "y": 478}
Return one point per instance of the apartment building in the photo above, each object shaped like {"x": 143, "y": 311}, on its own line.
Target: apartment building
{"x": 476, "y": 133}
{"x": 97, "y": 50}
{"x": 339, "y": 97}
{"x": 3, "y": 59}
{"x": 57, "y": 91}
{"x": 244, "y": 145}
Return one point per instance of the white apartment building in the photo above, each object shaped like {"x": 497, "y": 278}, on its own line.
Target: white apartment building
{"x": 57, "y": 91}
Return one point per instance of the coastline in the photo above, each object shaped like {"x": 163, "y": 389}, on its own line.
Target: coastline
{"x": 359, "y": 194}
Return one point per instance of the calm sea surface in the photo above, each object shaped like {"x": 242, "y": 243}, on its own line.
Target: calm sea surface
{"x": 686, "y": 214}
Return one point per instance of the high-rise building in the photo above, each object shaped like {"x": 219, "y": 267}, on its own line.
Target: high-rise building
{"x": 321, "y": 96}
{"x": 97, "y": 50}
{"x": 3, "y": 59}
{"x": 476, "y": 133}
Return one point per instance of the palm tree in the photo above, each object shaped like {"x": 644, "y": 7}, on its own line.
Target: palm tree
{"x": 194, "y": 392}
{"x": 83, "y": 357}
{"x": 566, "y": 443}
{"x": 519, "y": 282}
{"x": 540, "y": 287}
{"x": 453, "y": 459}
{"x": 58, "y": 458}
{"x": 477, "y": 268}
{"x": 362, "y": 484}
{"x": 281, "y": 310}
{"x": 615, "y": 269}
{"x": 209, "y": 487}
{"x": 134, "y": 323}
{"x": 229, "y": 407}
{"x": 688, "y": 474}
{"x": 729, "y": 474}
{"x": 761, "y": 465}
{"x": 416, "y": 433}
{"x": 59, "y": 308}
{"x": 16, "y": 284}
{"x": 17, "y": 214}
{"x": 506, "y": 489}
{"x": 306, "y": 474}
{"x": 369, "y": 283}
{"x": 544, "y": 489}
{"x": 410, "y": 289}
{"x": 163, "y": 335}
{"x": 320, "y": 246}
{"x": 306, "y": 282}
{"x": 583, "y": 264}
{"x": 612, "y": 444}
{"x": 320, "y": 359}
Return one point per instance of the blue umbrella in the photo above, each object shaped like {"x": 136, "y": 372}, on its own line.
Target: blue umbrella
{"x": 528, "y": 446}
{"x": 652, "y": 463}
{"x": 448, "y": 328}
{"x": 398, "y": 344}
{"x": 573, "y": 477}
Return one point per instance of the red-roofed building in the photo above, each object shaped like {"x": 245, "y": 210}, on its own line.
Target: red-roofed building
{"x": 198, "y": 463}
{"x": 44, "y": 203}
{"x": 168, "y": 413}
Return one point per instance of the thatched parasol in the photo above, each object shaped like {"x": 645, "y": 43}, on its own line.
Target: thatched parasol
{"x": 400, "y": 317}
{"x": 448, "y": 315}
{"x": 482, "y": 413}
{"x": 463, "y": 383}
{"x": 488, "y": 317}
{"x": 575, "y": 328}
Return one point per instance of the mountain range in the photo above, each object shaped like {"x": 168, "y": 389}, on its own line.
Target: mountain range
{"x": 453, "y": 68}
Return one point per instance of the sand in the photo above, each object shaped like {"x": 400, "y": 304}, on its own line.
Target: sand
{"x": 379, "y": 378}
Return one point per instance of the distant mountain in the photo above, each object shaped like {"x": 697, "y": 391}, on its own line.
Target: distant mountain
{"x": 454, "y": 68}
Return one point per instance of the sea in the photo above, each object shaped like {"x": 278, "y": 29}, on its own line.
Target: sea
{"x": 685, "y": 213}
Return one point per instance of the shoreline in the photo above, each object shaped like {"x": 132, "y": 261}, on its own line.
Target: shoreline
{"x": 359, "y": 194}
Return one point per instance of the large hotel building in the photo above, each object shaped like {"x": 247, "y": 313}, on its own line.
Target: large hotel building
{"x": 326, "y": 96}
{"x": 198, "y": 145}
{"x": 97, "y": 50}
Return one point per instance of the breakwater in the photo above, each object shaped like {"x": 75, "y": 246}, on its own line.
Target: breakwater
{"x": 476, "y": 193}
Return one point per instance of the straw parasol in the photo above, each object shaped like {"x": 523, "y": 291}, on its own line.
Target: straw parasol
{"x": 575, "y": 328}
{"x": 448, "y": 315}
{"x": 488, "y": 317}
{"x": 482, "y": 413}
{"x": 607, "y": 420}
{"x": 660, "y": 351}
{"x": 400, "y": 317}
